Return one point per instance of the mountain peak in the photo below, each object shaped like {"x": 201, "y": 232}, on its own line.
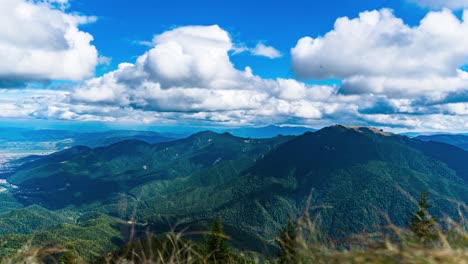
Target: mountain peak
{"x": 361, "y": 129}
{"x": 126, "y": 143}
{"x": 209, "y": 133}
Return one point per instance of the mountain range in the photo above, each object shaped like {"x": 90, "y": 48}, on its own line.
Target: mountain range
{"x": 459, "y": 140}
{"x": 19, "y": 145}
{"x": 352, "y": 176}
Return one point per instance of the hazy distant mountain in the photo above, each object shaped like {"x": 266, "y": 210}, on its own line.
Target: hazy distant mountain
{"x": 26, "y": 143}
{"x": 270, "y": 131}
{"x": 67, "y": 138}
{"x": 458, "y": 140}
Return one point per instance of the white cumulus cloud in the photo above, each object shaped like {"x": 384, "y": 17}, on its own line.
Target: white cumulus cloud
{"x": 188, "y": 70}
{"x": 206, "y": 87}
{"x": 187, "y": 77}
{"x": 40, "y": 41}
{"x": 378, "y": 53}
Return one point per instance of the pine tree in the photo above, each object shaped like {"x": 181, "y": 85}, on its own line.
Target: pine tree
{"x": 216, "y": 243}
{"x": 287, "y": 243}
{"x": 423, "y": 225}
{"x": 68, "y": 257}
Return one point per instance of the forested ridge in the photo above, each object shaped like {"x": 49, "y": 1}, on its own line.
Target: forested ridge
{"x": 349, "y": 180}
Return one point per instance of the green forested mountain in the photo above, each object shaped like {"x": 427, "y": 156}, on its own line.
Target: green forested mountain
{"x": 354, "y": 176}
{"x": 90, "y": 235}
{"x": 358, "y": 173}
{"x": 28, "y": 219}
{"x": 81, "y": 175}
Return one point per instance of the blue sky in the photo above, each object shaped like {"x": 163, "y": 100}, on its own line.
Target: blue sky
{"x": 398, "y": 65}
{"x": 122, "y": 24}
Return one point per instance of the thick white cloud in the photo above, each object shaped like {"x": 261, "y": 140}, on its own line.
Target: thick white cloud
{"x": 189, "y": 71}
{"x": 378, "y": 43}
{"x": 187, "y": 77}
{"x": 206, "y": 87}
{"x": 38, "y": 41}
{"x": 193, "y": 56}
{"x": 432, "y": 86}
{"x": 266, "y": 51}
{"x": 378, "y": 53}
{"x": 437, "y": 4}
{"x": 393, "y": 75}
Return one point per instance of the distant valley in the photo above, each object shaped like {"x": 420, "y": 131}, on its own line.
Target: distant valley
{"x": 17, "y": 143}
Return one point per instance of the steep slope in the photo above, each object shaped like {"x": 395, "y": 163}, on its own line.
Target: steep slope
{"x": 357, "y": 173}
{"x": 90, "y": 236}
{"x": 27, "y": 220}
{"x": 82, "y": 175}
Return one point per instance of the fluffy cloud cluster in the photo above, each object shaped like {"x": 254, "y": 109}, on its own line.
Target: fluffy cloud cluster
{"x": 40, "y": 41}
{"x": 378, "y": 53}
{"x": 411, "y": 76}
{"x": 188, "y": 71}
{"x": 389, "y": 79}
{"x": 392, "y": 75}
{"x": 437, "y": 4}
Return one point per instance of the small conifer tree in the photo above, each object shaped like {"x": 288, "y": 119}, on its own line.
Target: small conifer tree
{"x": 287, "y": 243}
{"x": 68, "y": 257}
{"x": 423, "y": 226}
{"x": 216, "y": 243}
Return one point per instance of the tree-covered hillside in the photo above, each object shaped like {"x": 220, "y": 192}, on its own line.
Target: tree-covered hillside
{"x": 355, "y": 176}
{"x": 83, "y": 175}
